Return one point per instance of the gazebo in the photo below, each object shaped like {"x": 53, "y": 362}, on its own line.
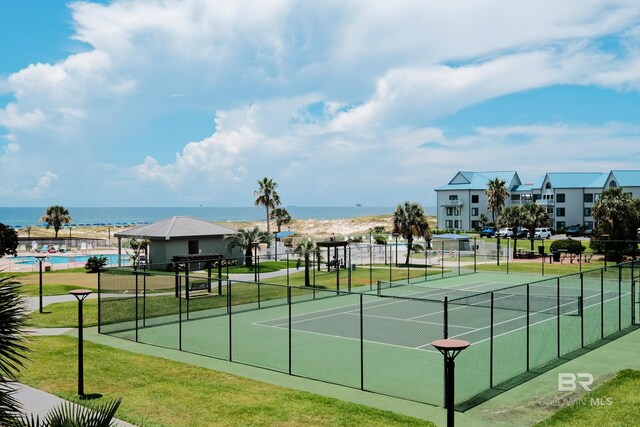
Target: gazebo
{"x": 180, "y": 236}
{"x": 335, "y": 246}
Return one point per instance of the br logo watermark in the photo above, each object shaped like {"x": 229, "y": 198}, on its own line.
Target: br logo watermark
{"x": 568, "y": 381}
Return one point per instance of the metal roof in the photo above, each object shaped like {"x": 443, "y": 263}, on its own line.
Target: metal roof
{"x": 178, "y": 226}
{"x": 574, "y": 179}
{"x": 626, "y": 178}
{"x": 479, "y": 180}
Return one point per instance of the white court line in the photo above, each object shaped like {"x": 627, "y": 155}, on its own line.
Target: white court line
{"x": 350, "y": 339}
{"x": 536, "y": 323}
{"x": 406, "y": 320}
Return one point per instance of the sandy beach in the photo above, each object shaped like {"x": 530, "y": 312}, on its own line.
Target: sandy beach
{"x": 319, "y": 228}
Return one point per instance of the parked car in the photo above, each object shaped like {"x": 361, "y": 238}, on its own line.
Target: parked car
{"x": 522, "y": 233}
{"x": 505, "y": 232}
{"x": 542, "y": 233}
{"x": 574, "y": 231}
{"x": 488, "y": 232}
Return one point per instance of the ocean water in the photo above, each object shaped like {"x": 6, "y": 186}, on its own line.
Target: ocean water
{"x": 22, "y": 217}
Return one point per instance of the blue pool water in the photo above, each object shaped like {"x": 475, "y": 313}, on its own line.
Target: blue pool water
{"x": 67, "y": 259}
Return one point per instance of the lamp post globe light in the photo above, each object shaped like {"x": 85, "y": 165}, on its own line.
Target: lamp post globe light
{"x": 40, "y": 258}
{"x": 450, "y": 348}
{"x": 80, "y": 295}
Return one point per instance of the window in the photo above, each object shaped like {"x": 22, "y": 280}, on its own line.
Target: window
{"x": 588, "y": 225}
{"x": 560, "y": 225}
{"x": 629, "y": 194}
{"x": 475, "y": 198}
{"x": 613, "y": 184}
{"x": 194, "y": 247}
{"x": 475, "y": 224}
{"x": 596, "y": 197}
{"x": 515, "y": 197}
{"x": 550, "y": 211}
{"x": 453, "y": 211}
{"x": 588, "y": 198}
{"x": 448, "y": 224}
{"x": 453, "y": 197}
{"x": 560, "y": 198}
{"x": 474, "y": 211}
{"x": 457, "y": 223}
{"x": 537, "y": 197}
{"x": 548, "y": 186}
{"x": 559, "y": 211}
{"x": 587, "y": 211}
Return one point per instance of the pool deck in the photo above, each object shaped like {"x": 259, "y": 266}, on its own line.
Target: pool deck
{"x": 8, "y": 264}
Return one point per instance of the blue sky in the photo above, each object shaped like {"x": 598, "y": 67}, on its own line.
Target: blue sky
{"x": 182, "y": 103}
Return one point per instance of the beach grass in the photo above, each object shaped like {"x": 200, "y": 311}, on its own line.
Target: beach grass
{"x": 157, "y": 392}
{"x": 614, "y": 403}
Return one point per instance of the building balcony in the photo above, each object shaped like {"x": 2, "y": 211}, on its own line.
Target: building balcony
{"x": 545, "y": 202}
{"x": 452, "y": 203}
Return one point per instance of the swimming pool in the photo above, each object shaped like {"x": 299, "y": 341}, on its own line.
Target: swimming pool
{"x": 112, "y": 259}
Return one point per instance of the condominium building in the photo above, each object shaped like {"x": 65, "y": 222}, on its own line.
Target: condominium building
{"x": 568, "y": 196}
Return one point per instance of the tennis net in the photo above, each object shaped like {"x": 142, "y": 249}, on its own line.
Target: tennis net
{"x": 525, "y": 298}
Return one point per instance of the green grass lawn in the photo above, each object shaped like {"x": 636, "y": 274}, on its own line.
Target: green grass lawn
{"x": 48, "y": 289}
{"x": 593, "y": 408}
{"x": 65, "y": 315}
{"x": 156, "y": 392}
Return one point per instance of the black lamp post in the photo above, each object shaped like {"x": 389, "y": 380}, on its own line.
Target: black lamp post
{"x": 80, "y": 295}
{"x": 450, "y": 348}
{"x": 40, "y": 258}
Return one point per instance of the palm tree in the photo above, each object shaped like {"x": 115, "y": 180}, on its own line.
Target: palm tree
{"x": 484, "y": 219}
{"x": 247, "y": 240}
{"x": 305, "y": 249}
{"x": 267, "y": 196}
{"x": 56, "y": 216}
{"x": 12, "y": 350}
{"x": 535, "y": 215}
{"x": 512, "y": 216}
{"x": 496, "y": 195}
{"x": 70, "y": 414}
{"x": 281, "y": 216}
{"x": 409, "y": 220}
{"x": 617, "y": 215}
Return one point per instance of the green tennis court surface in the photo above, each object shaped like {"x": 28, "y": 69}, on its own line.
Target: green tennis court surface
{"x": 379, "y": 340}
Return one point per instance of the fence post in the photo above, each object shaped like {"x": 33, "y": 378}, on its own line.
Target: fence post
{"x": 528, "y": 326}
{"x": 491, "y": 344}
{"x": 136, "y": 271}
{"x": 289, "y": 303}
{"x": 508, "y": 252}
{"x": 229, "y": 311}
{"x": 442, "y": 258}
{"x": 144, "y": 296}
{"x": 100, "y": 302}
{"x": 602, "y": 302}
{"x": 475, "y": 255}
{"x": 558, "y": 311}
{"x": 361, "y": 343}
{"x": 180, "y": 323}
{"x": 619, "y": 298}
{"x": 582, "y": 311}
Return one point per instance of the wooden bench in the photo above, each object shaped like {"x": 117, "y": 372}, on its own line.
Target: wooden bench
{"x": 198, "y": 285}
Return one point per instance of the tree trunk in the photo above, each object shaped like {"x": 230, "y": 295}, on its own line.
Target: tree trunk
{"x": 409, "y": 246}
{"x": 56, "y": 230}
{"x": 532, "y": 240}
{"x": 268, "y": 222}
{"x": 307, "y": 280}
{"x": 248, "y": 257}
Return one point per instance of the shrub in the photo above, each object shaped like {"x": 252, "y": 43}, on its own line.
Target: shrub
{"x": 417, "y": 248}
{"x": 571, "y": 246}
{"x": 378, "y": 229}
{"x": 95, "y": 263}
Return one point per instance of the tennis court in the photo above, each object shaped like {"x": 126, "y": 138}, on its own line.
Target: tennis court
{"x": 379, "y": 340}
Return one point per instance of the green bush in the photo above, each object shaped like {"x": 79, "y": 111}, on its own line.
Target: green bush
{"x": 95, "y": 263}
{"x": 417, "y": 248}
{"x": 571, "y": 246}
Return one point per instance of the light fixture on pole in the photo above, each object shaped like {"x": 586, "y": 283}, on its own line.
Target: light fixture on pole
{"x": 80, "y": 295}
{"x": 450, "y": 348}
{"x": 40, "y": 258}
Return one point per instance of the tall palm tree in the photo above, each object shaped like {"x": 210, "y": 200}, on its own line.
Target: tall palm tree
{"x": 305, "y": 249}
{"x": 281, "y": 216}
{"x": 512, "y": 216}
{"x": 496, "y": 195}
{"x": 267, "y": 196}
{"x": 56, "y": 216}
{"x": 409, "y": 220}
{"x": 12, "y": 350}
{"x": 247, "y": 240}
{"x": 535, "y": 215}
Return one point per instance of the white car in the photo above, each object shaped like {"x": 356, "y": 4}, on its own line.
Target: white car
{"x": 542, "y": 233}
{"x": 505, "y": 232}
